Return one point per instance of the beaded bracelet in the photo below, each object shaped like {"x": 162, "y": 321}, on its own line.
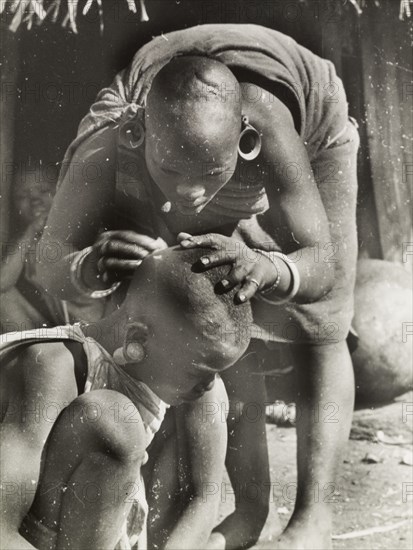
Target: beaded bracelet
{"x": 77, "y": 280}
{"x": 295, "y": 279}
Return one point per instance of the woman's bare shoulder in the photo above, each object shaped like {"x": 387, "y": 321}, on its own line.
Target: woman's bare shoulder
{"x": 101, "y": 144}
{"x": 264, "y": 108}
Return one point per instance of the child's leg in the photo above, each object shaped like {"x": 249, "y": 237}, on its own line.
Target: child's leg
{"x": 161, "y": 479}
{"x": 35, "y": 386}
{"x": 187, "y": 470}
{"x": 247, "y": 454}
{"x": 90, "y": 474}
{"x": 324, "y": 411}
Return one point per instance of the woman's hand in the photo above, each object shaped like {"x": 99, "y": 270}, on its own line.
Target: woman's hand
{"x": 250, "y": 269}
{"x": 119, "y": 253}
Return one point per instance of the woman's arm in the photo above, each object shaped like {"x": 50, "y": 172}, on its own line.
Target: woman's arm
{"x": 206, "y": 434}
{"x": 82, "y": 201}
{"x": 85, "y": 199}
{"x": 299, "y": 223}
{"x": 298, "y": 216}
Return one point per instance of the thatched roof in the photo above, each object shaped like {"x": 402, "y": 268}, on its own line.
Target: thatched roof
{"x": 66, "y": 12}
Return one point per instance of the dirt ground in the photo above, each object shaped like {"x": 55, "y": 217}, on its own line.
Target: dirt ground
{"x": 375, "y": 486}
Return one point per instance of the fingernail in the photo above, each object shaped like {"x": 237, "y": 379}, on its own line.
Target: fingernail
{"x": 205, "y": 261}
{"x": 186, "y": 242}
{"x": 225, "y": 283}
{"x": 241, "y": 297}
{"x": 105, "y": 277}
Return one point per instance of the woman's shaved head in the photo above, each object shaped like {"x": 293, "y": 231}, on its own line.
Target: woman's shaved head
{"x": 199, "y": 99}
{"x": 193, "y": 125}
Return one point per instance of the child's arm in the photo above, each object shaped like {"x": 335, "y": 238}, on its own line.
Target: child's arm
{"x": 247, "y": 458}
{"x": 206, "y": 440}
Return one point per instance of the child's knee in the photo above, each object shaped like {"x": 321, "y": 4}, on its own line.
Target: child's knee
{"x": 111, "y": 423}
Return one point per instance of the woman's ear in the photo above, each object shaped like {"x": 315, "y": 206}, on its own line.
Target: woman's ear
{"x": 132, "y": 127}
{"x": 133, "y": 133}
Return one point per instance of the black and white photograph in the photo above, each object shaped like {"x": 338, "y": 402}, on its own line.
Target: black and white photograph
{"x": 206, "y": 292}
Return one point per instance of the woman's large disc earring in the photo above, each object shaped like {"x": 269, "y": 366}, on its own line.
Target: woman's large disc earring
{"x": 249, "y": 144}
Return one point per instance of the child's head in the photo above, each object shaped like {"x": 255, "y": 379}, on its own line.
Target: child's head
{"x": 32, "y": 193}
{"x": 180, "y": 331}
{"x": 193, "y": 124}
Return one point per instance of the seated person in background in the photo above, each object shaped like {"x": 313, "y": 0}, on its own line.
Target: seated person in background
{"x": 24, "y": 304}
{"x": 163, "y": 345}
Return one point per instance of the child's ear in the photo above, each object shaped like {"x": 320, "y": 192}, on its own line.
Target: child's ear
{"x": 137, "y": 332}
{"x": 130, "y": 352}
{"x": 134, "y": 346}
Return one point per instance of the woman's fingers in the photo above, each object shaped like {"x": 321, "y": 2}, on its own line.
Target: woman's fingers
{"x": 232, "y": 251}
{"x": 182, "y": 236}
{"x": 248, "y": 277}
{"x": 210, "y": 240}
{"x": 114, "y": 264}
{"x": 248, "y": 289}
{"x": 235, "y": 277}
{"x": 238, "y": 273}
{"x": 219, "y": 258}
{"x": 120, "y": 249}
{"x": 132, "y": 237}
{"x": 119, "y": 253}
{"x": 160, "y": 243}
{"x": 245, "y": 271}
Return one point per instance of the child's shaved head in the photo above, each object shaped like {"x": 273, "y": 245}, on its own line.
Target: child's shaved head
{"x": 173, "y": 285}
